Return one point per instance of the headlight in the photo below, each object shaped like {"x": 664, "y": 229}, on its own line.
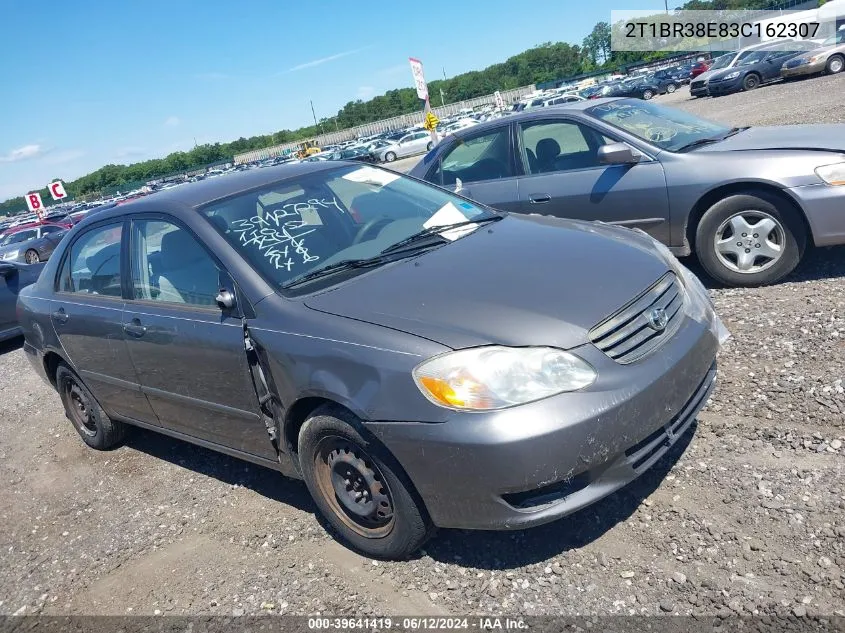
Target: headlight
{"x": 813, "y": 59}
{"x": 486, "y": 378}
{"x": 832, "y": 174}
{"x": 11, "y": 255}
{"x": 732, "y": 75}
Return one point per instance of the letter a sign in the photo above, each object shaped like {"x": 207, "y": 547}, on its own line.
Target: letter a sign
{"x": 33, "y": 202}
{"x": 57, "y": 190}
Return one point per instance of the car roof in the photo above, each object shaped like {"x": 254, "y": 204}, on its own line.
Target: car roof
{"x": 572, "y": 106}
{"x": 202, "y": 192}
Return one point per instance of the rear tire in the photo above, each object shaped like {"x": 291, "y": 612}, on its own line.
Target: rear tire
{"x": 751, "y": 82}
{"x": 359, "y": 487}
{"x": 390, "y": 157}
{"x": 717, "y": 254}
{"x": 671, "y": 88}
{"x": 95, "y": 428}
{"x": 647, "y": 94}
{"x": 429, "y": 146}
{"x": 835, "y": 64}
{"x": 31, "y": 256}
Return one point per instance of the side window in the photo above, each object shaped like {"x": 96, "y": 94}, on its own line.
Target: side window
{"x": 93, "y": 263}
{"x": 23, "y": 236}
{"x": 482, "y": 157}
{"x": 46, "y": 230}
{"x": 559, "y": 146}
{"x": 169, "y": 265}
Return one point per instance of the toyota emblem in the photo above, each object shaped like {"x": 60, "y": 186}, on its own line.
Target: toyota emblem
{"x": 657, "y": 319}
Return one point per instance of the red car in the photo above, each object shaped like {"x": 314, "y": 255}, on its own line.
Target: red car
{"x": 698, "y": 68}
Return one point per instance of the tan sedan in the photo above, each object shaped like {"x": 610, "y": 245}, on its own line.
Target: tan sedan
{"x": 829, "y": 58}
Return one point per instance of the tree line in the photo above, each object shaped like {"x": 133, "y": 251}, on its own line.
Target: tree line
{"x": 547, "y": 62}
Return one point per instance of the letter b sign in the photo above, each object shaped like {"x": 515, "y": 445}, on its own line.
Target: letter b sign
{"x": 33, "y": 201}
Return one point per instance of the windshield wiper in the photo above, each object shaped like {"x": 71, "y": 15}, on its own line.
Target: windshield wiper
{"x": 345, "y": 264}
{"x": 435, "y": 230}
{"x": 708, "y": 140}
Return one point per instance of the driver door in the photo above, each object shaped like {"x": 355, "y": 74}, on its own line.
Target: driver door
{"x": 564, "y": 178}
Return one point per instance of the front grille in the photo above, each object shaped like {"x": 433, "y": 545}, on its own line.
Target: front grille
{"x": 634, "y": 331}
{"x": 695, "y": 85}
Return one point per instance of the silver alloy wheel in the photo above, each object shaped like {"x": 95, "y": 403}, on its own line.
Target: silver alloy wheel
{"x": 836, "y": 65}
{"x": 32, "y": 257}
{"x": 749, "y": 241}
{"x": 670, "y": 88}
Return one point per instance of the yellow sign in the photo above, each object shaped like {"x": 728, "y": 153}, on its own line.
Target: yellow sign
{"x": 431, "y": 121}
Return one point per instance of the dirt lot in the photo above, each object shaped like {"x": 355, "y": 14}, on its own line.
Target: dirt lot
{"x": 745, "y": 517}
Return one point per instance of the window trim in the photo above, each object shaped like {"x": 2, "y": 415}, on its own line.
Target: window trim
{"x": 131, "y": 300}
{"x": 69, "y": 250}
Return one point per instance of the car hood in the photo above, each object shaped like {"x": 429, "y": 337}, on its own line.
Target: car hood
{"x": 525, "y": 280}
{"x": 829, "y": 138}
{"x": 20, "y": 246}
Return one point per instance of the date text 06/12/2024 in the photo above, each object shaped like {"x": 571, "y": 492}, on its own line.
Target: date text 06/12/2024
{"x": 417, "y": 624}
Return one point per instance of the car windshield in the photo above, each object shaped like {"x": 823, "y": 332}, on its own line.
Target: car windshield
{"x": 837, "y": 38}
{"x": 17, "y": 238}
{"x": 664, "y": 127}
{"x": 751, "y": 58}
{"x": 344, "y": 213}
{"x": 721, "y": 62}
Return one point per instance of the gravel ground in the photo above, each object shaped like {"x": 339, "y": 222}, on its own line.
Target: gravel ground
{"x": 744, "y": 517}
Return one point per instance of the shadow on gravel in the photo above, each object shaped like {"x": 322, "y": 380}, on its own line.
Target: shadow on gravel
{"x": 509, "y": 550}
{"x": 818, "y": 263}
{"x": 11, "y": 345}
{"x": 230, "y": 470}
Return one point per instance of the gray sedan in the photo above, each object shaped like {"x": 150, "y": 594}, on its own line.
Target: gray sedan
{"x": 31, "y": 245}
{"x": 417, "y": 358}
{"x": 746, "y": 201}
{"x": 13, "y": 277}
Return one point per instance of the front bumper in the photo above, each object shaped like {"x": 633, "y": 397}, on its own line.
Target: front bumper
{"x": 538, "y": 462}
{"x": 698, "y": 90}
{"x": 803, "y": 69}
{"x": 719, "y": 88}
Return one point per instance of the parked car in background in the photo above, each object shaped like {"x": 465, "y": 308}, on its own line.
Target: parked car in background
{"x": 640, "y": 87}
{"x": 746, "y": 201}
{"x": 389, "y": 356}
{"x": 408, "y": 145}
{"x": 698, "y": 68}
{"x": 698, "y": 87}
{"x": 31, "y": 245}
{"x": 13, "y": 278}
{"x": 751, "y": 71}
{"x": 665, "y": 83}
{"x": 360, "y": 154}
{"x": 828, "y": 58}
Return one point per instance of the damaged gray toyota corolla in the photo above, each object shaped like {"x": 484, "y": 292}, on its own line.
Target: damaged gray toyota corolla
{"x": 419, "y": 360}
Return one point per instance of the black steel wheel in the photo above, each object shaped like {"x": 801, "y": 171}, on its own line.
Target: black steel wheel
{"x": 95, "y": 428}
{"x": 750, "y": 82}
{"x": 359, "y": 487}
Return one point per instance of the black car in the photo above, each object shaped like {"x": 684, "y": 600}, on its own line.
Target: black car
{"x": 358, "y": 154}
{"x": 757, "y": 68}
{"x": 361, "y": 330}
{"x": 640, "y": 88}
{"x": 13, "y": 277}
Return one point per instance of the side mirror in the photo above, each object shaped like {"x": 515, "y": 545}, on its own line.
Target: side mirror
{"x": 225, "y": 299}
{"x": 617, "y": 154}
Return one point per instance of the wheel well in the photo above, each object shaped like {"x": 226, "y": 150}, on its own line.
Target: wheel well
{"x": 296, "y": 416}
{"x": 51, "y": 364}
{"x": 750, "y": 188}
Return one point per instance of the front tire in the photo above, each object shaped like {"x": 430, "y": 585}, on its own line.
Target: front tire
{"x": 95, "y": 428}
{"x": 750, "y": 239}
{"x": 31, "y": 256}
{"x": 835, "y": 64}
{"x": 671, "y": 88}
{"x": 750, "y": 82}
{"x": 359, "y": 488}
{"x": 648, "y": 94}
{"x": 390, "y": 157}
{"x": 429, "y": 146}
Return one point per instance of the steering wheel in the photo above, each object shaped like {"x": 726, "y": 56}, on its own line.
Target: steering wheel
{"x": 661, "y": 134}
{"x": 369, "y": 227}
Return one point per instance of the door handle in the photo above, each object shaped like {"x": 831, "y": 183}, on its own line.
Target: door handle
{"x": 60, "y": 316}
{"x": 539, "y": 198}
{"x": 134, "y": 328}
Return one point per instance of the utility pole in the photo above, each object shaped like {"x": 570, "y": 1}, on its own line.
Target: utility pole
{"x": 666, "y": 6}
{"x": 315, "y": 116}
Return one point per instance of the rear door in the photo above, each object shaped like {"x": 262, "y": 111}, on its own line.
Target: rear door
{"x": 564, "y": 178}
{"x": 87, "y": 315}
{"x": 483, "y": 162}
{"x": 189, "y": 354}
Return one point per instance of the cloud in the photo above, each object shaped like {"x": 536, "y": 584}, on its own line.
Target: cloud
{"x": 26, "y": 152}
{"x": 395, "y": 70}
{"x": 325, "y": 60}
{"x": 172, "y": 121}
{"x": 365, "y": 92}
{"x": 62, "y": 157}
